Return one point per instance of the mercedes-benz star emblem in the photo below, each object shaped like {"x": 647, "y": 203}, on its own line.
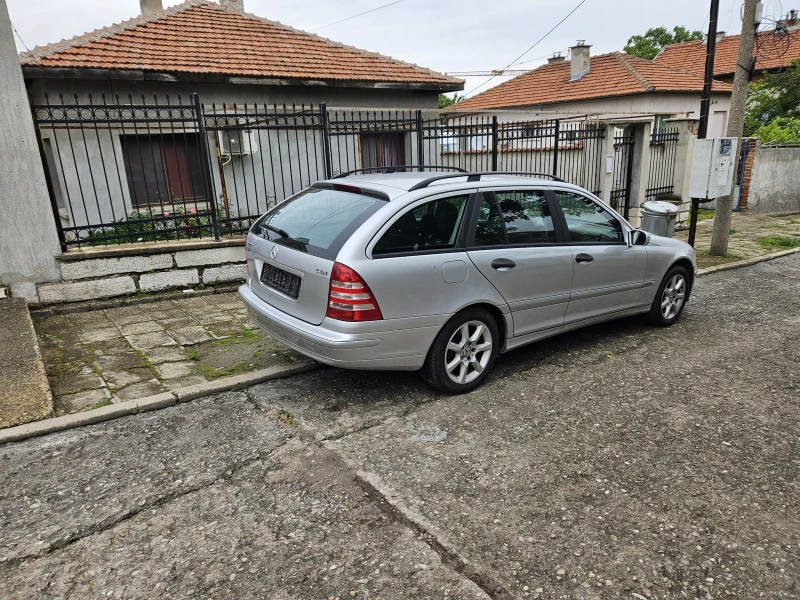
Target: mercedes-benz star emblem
{"x": 274, "y": 252}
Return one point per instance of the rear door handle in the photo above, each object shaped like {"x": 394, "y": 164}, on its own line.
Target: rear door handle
{"x": 583, "y": 258}
{"x": 503, "y": 264}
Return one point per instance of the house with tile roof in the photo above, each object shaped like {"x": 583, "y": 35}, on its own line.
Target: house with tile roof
{"x": 261, "y": 84}
{"x": 773, "y": 49}
{"x": 613, "y": 86}
{"x": 200, "y": 45}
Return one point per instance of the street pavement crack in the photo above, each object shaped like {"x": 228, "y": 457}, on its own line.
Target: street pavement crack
{"x": 113, "y": 521}
{"x": 403, "y": 515}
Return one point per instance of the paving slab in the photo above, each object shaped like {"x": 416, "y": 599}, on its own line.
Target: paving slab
{"x": 123, "y": 349}
{"x": 24, "y": 393}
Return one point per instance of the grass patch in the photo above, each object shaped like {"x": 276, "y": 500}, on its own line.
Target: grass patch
{"x": 245, "y": 335}
{"x": 703, "y": 214}
{"x": 192, "y": 353}
{"x": 240, "y": 367}
{"x": 731, "y": 231}
{"x": 150, "y": 366}
{"x": 704, "y": 259}
{"x": 779, "y": 241}
{"x": 101, "y": 404}
{"x": 287, "y": 418}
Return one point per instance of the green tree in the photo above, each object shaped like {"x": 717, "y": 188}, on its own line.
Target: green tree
{"x": 782, "y": 129}
{"x": 446, "y": 101}
{"x": 650, "y": 44}
{"x": 776, "y": 95}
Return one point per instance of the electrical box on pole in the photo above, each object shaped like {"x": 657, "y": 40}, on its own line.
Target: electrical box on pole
{"x": 712, "y": 168}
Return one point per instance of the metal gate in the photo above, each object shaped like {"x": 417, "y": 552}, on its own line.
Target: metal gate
{"x": 623, "y": 174}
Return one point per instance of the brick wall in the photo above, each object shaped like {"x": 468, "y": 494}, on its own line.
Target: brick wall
{"x": 748, "y": 173}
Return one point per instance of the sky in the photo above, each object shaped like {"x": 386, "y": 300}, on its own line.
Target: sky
{"x": 444, "y": 35}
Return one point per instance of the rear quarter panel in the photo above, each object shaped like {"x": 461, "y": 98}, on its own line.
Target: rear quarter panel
{"x": 427, "y": 287}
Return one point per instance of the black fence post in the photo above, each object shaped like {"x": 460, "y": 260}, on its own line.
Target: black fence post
{"x": 420, "y": 146}
{"x": 326, "y": 141}
{"x": 555, "y": 148}
{"x": 206, "y": 156}
{"x": 494, "y": 143}
{"x": 48, "y": 180}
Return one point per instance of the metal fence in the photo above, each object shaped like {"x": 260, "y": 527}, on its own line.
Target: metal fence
{"x": 622, "y": 173}
{"x": 660, "y": 181}
{"x": 124, "y": 170}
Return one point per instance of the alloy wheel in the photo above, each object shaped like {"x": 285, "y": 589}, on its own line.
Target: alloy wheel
{"x": 673, "y": 297}
{"x": 468, "y": 352}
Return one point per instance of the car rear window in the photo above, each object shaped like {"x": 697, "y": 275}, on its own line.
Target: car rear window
{"x": 317, "y": 221}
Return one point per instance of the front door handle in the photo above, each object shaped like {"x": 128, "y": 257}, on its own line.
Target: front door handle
{"x": 583, "y": 258}
{"x": 503, "y": 264}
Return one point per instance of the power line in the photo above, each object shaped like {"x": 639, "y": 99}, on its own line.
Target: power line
{"x": 537, "y": 58}
{"x": 358, "y": 15}
{"x": 581, "y": 3}
{"x": 20, "y": 37}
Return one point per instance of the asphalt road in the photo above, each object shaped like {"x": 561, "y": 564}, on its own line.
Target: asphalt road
{"x": 622, "y": 461}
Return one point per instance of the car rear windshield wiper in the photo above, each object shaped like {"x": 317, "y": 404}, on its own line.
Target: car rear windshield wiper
{"x": 277, "y": 230}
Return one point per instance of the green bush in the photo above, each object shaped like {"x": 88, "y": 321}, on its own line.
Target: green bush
{"x": 782, "y": 129}
{"x": 138, "y": 226}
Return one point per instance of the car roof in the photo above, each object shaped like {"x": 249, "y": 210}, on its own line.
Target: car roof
{"x": 398, "y": 184}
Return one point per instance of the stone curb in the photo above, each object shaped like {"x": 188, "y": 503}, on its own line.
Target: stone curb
{"x": 747, "y": 263}
{"x": 163, "y": 400}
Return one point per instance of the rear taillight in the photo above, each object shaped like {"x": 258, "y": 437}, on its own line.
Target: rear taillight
{"x": 350, "y": 298}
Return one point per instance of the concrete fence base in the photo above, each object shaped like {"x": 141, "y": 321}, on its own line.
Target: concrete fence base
{"x": 102, "y": 273}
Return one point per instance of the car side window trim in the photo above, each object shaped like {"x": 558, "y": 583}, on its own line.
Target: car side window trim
{"x": 460, "y": 242}
{"x": 473, "y": 229}
{"x": 563, "y": 220}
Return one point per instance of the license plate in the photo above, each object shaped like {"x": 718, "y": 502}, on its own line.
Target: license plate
{"x": 281, "y": 280}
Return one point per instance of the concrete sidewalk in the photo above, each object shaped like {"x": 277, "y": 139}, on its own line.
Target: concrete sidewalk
{"x": 751, "y": 236}
{"x": 24, "y": 393}
{"x": 102, "y": 357}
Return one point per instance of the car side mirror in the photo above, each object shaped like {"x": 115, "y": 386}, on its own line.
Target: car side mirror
{"x": 637, "y": 237}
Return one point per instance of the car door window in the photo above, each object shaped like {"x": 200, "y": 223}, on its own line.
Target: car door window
{"x": 587, "y": 221}
{"x": 527, "y": 217}
{"x": 489, "y": 230}
{"x": 430, "y": 226}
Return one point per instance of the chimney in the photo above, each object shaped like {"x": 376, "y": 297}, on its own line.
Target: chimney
{"x": 148, "y": 7}
{"x": 792, "y": 20}
{"x": 720, "y": 37}
{"x": 237, "y": 5}
{"x": 556, "y": 58}
{"x": 579, "y": 60}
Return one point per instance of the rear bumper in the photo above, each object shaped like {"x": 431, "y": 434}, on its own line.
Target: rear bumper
{"x": 402, "y": 347}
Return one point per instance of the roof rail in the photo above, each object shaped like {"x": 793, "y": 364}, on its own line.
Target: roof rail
{"x": 477, "y": 177}
{"x": 395, "y": 168}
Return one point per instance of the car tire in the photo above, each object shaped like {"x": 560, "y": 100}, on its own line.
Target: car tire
{"x": 457, "y": 364}
{"x": 670, "y": 298}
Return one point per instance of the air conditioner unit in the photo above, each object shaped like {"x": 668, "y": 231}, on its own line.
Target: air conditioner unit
{"x": 238, "y": 142}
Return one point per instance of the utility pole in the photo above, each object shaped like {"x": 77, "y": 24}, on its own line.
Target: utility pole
{"x": 741, "y": 85}
{"x": 705, "y": 101}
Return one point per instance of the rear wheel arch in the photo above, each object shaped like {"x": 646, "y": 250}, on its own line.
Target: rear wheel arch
{"x": 497, "y": 315}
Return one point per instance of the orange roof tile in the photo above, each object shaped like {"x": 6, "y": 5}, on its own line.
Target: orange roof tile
{"x": 614, "y": 74}
{"x": 204, "y": 38}
{"x": 771, "y": 52}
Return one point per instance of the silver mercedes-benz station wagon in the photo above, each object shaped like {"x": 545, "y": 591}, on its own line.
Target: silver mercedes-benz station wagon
{"x": 444, "y": 271}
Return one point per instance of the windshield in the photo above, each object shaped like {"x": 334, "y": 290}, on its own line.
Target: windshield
{"x": 317, "y": 221}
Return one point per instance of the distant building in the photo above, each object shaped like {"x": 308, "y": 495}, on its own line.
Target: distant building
{"x": 607, "y": 86}
{"x": 773, "y": 49}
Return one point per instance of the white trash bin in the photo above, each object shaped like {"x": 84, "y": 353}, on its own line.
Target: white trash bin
{"x": 659, "y": 218}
